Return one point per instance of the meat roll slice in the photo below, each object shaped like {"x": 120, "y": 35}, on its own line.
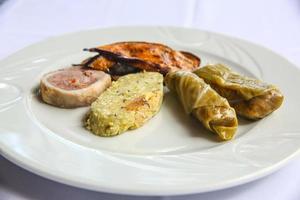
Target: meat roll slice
{"x": 73, "y": 87}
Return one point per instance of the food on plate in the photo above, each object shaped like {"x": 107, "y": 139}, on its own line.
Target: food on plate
{"x": 136, "y": 96}
{"x": 131, "y": 101}
{"x": 73, "y": 87}
{"x": 251, "y": 98}
{"x": 139, "y": 56}
{"x": 204, "y": 103}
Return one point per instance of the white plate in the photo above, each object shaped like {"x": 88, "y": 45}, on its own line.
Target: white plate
{"x": 172, "y": 153}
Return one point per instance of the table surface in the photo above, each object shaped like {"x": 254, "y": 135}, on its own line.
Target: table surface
{"x": 273, "y": 24}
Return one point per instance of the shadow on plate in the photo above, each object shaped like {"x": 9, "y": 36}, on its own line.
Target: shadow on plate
{"x": 193, "y": 126}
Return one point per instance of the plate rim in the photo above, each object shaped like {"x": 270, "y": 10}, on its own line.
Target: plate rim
{"x": 234, "y": 182}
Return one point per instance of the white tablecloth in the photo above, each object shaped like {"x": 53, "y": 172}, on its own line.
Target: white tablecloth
{"x": 274, "y": 24}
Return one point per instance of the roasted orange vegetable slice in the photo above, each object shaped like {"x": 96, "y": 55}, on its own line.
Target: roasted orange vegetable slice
{"x": 141, "y": 55}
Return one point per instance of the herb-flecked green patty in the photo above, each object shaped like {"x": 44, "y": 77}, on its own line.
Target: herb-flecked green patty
{"x": 130, "y": 102}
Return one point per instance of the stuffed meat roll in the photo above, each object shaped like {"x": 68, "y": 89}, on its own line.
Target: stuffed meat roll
{"x": 251, "y": 98}
{"x": 200, "y": 100}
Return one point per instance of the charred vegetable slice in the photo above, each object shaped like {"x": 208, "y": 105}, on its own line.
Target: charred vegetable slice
{"x": 142, "y": 55}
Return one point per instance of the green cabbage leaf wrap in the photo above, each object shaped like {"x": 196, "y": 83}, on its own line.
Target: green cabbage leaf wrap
{"x": 250, "y": 97}
{"x": 204, "y": 103}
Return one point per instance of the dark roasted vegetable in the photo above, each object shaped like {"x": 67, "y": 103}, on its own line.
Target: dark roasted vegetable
{"x": 250, "y": 97}
{"x": 204, "y": 103}
{"x": 142, "y": 55}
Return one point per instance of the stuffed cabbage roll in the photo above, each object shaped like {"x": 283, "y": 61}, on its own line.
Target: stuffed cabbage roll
{"x": 251, "y": 98}
{"x": 200, "y": 100}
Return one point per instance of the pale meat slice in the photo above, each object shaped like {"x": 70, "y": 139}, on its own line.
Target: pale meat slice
{"x": 73, "y": 87}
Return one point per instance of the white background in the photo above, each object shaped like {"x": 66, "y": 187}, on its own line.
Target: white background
{"x": 273, "y": 23}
